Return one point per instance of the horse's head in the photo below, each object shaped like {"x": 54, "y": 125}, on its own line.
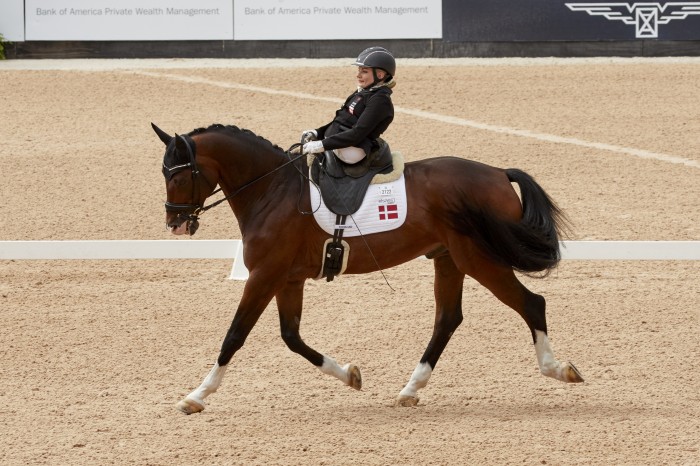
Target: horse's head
{"x": 186, "y": 186}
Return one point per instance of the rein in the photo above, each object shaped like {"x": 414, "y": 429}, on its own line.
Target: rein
{"x": 291, "y": 160}
{"x": 191, "y": 212}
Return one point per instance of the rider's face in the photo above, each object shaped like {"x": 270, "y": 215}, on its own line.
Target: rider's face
{"x": 365, "y": 78}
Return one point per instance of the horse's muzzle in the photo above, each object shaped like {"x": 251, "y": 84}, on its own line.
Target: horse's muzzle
{"x": 182, "y": 218}
{"x": 183, "y": 224}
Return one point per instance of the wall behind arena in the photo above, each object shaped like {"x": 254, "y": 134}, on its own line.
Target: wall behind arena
{"x": 319, "y": 29}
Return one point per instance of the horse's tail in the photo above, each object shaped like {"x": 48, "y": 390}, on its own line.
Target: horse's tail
{"x": 529, "y": 246}
{"x": 540, "y": 227}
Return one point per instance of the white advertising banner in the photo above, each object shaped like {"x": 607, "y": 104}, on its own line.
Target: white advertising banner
{"x": 12, "y": 20}
{"x": 337, "y": 19}
{"x": 129, "y": 19}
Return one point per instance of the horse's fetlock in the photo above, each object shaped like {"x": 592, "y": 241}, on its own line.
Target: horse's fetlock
{"x": 550, "y": 369}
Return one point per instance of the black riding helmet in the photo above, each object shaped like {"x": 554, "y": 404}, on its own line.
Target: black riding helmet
{"x": 377, "y": 57}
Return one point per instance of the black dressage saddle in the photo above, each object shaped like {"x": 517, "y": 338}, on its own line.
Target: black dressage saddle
{"x": 343, "y": 185}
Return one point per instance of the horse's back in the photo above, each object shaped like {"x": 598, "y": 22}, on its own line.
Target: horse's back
{"x": 465, "y": 167}
{"x": 451, "y": 181}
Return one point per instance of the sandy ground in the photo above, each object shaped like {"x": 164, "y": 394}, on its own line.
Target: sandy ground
{"x": 96, "y": 353}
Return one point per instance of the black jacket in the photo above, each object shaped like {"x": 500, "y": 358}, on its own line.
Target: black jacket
{"x": 364, "y": 116}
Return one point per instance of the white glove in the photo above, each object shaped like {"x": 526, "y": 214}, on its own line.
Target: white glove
{"x": 309, "y": 135}
{"x": 313, "y": 147}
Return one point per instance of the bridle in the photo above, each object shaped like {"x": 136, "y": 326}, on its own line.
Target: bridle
{"x": 186, "y": 212}
{"x": 190, "y": 212}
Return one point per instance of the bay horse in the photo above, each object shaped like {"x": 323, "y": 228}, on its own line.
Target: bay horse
{"x": 464, "y": 215}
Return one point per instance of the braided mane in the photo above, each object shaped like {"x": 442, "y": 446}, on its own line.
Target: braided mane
{"x": 233, "y": 131}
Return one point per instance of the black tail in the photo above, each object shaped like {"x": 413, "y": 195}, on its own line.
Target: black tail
{"x": 530, "y": 246}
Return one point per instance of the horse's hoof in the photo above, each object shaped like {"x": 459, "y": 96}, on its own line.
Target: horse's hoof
{"x": 572, "y": 374}
{"x": 355, "y": 377}
{"x": 405, "y": 401}
{"x": 189, "y": 406}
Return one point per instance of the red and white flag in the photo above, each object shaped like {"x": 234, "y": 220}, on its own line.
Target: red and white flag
{"x": 388, "y": 212}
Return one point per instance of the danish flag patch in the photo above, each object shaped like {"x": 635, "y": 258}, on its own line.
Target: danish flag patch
{"x": 388, "y": 212}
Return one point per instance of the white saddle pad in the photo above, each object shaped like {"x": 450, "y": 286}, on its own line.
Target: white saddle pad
{"x": 383, "y": 208}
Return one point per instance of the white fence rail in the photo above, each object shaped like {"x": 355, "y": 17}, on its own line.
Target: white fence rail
{"x": 120, "y": 249}
{"x": 231, "y": 249}
{"x": 631, "y": 250}
{"x": 128, "y": 249}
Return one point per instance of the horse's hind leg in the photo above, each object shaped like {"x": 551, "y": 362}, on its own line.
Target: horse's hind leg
{"x": 503, "y": 283}
{"x": 448, "y": 315}
{"x": 289, "y": 304}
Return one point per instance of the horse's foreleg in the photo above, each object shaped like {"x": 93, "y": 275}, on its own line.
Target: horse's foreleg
{"x": 448, "y": 315}
{"x": 194, "y": 402}
{"x": 289, "y": 304}
{"x": 503, "y": 283}
{"x": 250, "y": 308}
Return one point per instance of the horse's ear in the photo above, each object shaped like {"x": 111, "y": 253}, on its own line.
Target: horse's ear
{"x": 180, "y": 144}
{"x": 165, "y": 137}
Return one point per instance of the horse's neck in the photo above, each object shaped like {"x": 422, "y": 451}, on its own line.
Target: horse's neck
{"x": 253, "y": 177}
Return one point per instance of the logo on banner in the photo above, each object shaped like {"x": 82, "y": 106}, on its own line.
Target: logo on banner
{"x": 645, "y": 16}
{"x": 388, "y": 212}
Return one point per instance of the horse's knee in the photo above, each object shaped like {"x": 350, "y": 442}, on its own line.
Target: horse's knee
{"x": 293, "y": 341}
{"x": 449, "y": 321}
{"x": 457, "y": 321}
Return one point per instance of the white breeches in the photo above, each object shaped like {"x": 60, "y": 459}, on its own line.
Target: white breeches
{"x": 350, "y": 154}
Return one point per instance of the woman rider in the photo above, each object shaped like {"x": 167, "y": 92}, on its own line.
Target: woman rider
{"x": 364, "y": 116}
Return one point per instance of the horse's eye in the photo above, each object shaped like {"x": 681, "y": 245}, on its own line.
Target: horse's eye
{"x": 179, "y": 182}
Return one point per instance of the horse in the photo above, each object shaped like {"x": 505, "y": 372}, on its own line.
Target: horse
{"x": 464, "y": 215}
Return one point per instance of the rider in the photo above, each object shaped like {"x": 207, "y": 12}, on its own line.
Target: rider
{"x": 364, "y": 116}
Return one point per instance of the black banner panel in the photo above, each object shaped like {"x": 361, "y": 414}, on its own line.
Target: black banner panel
{"x": 559, "y": 20}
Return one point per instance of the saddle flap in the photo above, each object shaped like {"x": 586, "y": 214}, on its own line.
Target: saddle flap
{"x": 343, "y": 193}
{"x": 344, "y": 196}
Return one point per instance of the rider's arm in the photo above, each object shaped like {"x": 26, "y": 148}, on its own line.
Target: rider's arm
{"x": 378, "y": 112}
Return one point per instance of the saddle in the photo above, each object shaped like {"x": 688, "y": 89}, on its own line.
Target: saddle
{"x": 343, "y": 186}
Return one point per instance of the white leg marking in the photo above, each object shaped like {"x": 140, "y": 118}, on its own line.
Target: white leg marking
{"x": 209, "y": 385}
{"x": 549, "y": 366}
{"x": 419, "y": 379}
{"x": 330, "y": 367}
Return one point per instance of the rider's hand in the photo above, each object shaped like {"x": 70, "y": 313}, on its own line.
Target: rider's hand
{"x": 313, "y": 147}
{"x": 309, "y": 135}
